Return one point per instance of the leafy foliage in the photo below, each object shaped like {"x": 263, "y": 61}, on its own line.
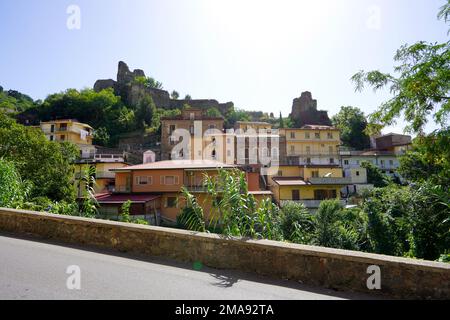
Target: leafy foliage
{"x": 45, "y": 164}
{"x": 428, "y": 159}
{"x": 421, "y": 87}
{"x": 234, "y": 209}
{"x": 13, "y": 191}
{"x": 375, "y": 176}
{"x": 352, "y": 123}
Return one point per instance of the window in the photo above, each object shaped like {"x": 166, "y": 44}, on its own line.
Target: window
{"x": 228, "y": 140}
{"x": 292, "y": 149}
{"x": 228, "y": 153}
{"x": 331, "y": 160}
{"x": 357, "y": 173}
{"x": 292, "y": 135}
{"x": 169, "y": 180}
{"x": 346, "y": 162}
{"x": 191, "y": 129}
{"x": 330, "y": 135}
{"x": 315, "y": 174}
{"x": 308, "y": 149}
{"x": 391, "y": 162}
{"x": 307, "y": 135}
{"x": 143, "y": 180}
{"x": 280, "y": 173}
{"x": 212, "y": 126}
{"x": 317, "y": 135}
{"x": 308, "y": 160}
{"x": 52, "y": 138}
{"x": 63, "y": 137}
{"x": 295, "y": 195}
{"x": 171, "y": 202}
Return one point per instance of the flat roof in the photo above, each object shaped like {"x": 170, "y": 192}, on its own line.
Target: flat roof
{"x": 290, "y": 181}
{"x": 121, "y": 198}
{"x": 253, "y": 122}
{"x": 260, "y": 192}
{"x": 178, "y": 164}
{"x": 313, "y": 127}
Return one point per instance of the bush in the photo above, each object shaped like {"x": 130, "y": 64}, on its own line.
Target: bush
{"x": 296, "y": 223}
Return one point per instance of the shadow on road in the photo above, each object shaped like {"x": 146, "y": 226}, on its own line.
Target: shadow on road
{"x": 224, "y": 278}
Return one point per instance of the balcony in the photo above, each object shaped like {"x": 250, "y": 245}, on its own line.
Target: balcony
{"x": 330, "y": 180}
{"x": 98, "y": 175}
{"x": 105, "y": 175}
{"x": 309, "y": 203}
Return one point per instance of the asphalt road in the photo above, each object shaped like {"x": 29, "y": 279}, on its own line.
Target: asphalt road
{"x": 31, "y": 269}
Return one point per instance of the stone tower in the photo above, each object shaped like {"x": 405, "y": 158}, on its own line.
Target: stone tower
{"x": 304, "y": 111}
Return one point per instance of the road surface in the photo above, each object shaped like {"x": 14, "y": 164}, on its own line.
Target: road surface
{"x": 31, "y": 269}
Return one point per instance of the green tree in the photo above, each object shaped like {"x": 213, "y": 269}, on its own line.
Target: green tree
{"x": 420, "y": 85}
{"x": 352, "y": 123}
{"x": 428, "y": 159}
{"x": 192, "y": 216}
{"x": 297, "y": 223}
{"x": 375, "y": 176}
{"x": 188, "y": 97}
{"x": 281, "y": 125}
{"x": 213, "y": 112}
{"x": 89, "y": 207}
{"x": 13, "y": 191}
{"x": 145, "y": 111}
{"x": 101, "y": 136}
{"x": 46, "y": 164}
{"x": 235, "y": 212}
{"x": 174, "y": 95}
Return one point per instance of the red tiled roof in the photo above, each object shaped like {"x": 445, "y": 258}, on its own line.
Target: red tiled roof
{"x": 121, "y": 198}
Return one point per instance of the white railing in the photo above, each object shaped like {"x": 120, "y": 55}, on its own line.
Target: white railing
{"x": 331, "y": 180}
{"x": 308, "y": 203}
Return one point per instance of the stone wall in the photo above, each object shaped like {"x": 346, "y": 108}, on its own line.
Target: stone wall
{"x": 331, "y": 268}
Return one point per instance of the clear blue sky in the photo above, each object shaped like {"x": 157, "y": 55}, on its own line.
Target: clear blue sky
{"x": 258, "y": 54}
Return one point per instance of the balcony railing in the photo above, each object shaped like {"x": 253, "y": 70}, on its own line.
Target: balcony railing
{"x": 330, "y": 180}
{"x": 309, "y": 203}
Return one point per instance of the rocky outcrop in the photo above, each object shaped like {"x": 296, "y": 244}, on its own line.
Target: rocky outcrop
{"x": 132, "y": 92}
{"x": 304, "y": 111}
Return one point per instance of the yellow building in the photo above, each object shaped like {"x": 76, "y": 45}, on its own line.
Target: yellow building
{"x": 308, "y": 185}
{"x": 311, "y": 172}
{"x": 105, "y": 179}
{"x": 70, "y": 130}
{"x": 252, "y": 125}
{"x": 312, "y": 144}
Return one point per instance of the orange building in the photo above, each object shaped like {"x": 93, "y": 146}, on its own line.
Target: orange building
{"x": 155, "y": 188}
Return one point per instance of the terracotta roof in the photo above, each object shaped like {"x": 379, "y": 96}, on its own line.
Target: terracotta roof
{"x": 121, "y": 198}
{"x": 177, "y": 164}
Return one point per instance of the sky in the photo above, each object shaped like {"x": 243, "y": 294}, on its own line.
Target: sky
{"x": 259, "y": 54}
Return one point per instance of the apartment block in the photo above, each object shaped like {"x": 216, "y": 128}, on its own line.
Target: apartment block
{"x": 312, "y": 144}
{"x": 70, "y": 130}
{"x": 205, "y": 134}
